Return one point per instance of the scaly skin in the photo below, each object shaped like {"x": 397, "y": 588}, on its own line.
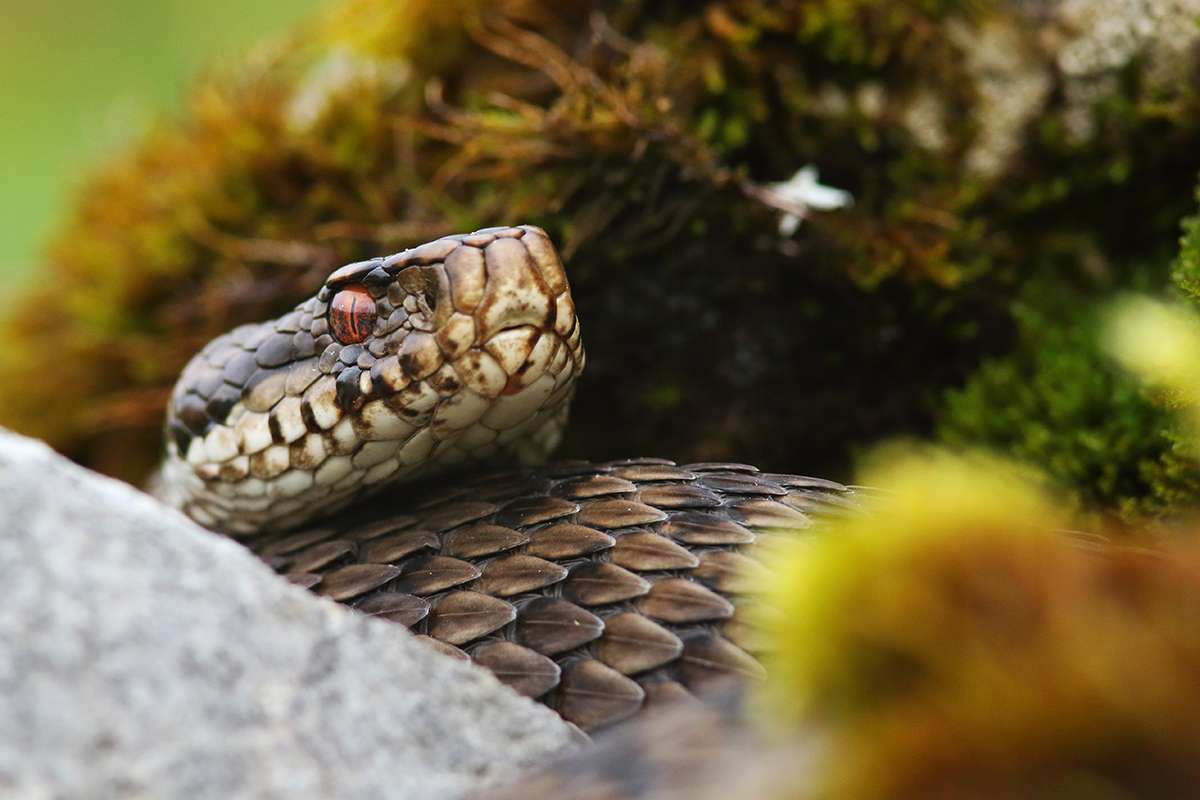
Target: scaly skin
{"x": 597, "y": 588}
{"x": 469, "y": 356}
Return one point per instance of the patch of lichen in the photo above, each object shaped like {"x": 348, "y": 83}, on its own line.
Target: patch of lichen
{"x": 642, "y": 136}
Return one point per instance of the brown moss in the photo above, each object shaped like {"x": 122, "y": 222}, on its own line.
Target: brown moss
{"x": 642, "y": 136}
{"x": 950, "y": 645}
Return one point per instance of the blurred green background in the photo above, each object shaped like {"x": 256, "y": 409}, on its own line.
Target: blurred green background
{"x": 80, "y": 78}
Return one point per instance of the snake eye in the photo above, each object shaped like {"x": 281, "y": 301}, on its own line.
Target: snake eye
{"x": 352, "y": 315}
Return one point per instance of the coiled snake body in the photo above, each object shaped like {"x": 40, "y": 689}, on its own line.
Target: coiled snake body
{"x": 594, "y": 587}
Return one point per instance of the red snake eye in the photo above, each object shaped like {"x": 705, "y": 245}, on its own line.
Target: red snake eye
{"x": 352, "y": 315}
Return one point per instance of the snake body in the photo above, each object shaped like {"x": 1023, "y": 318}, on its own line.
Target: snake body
{"x": 597, "y": 588}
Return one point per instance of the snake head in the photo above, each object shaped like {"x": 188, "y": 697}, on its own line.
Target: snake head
{"x": 461, "y": 351}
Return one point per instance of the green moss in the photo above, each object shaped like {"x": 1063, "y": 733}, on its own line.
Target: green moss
{"x": 1058, "y": 402}
{"x": 1186, "y": 275}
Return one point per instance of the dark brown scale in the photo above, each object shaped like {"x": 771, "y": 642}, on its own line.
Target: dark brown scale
{"x": 740, "y": 483}
{"x": 283, "y": 545}
{"x": 651, "y": 552}
{"x": 618, "y": 514}
{"x": 532, "y": 674}
{"x": 319, "y": 555}
{"x": 355, "y": 579}
{"x": 455, "y": 514}
{"x": 475, "y": 541}
{"x": 595, "y": 583}
{"x": 708, "y": 656}
{"x": 727, "y": 571}
{"x": 568, "y": 541}
{"x": 530, "y": 511}
{"x": 678, "y": 496}
{"x": 595, "y": 486}
{"x": 392, "y": 548}
{"x": 462, "y": 617}
{"x": 390, "y": 523}
{"x": 769, "y": 514}
{"x": 632, "y": 643}
{"x": 427, "y": 575}
{"x": 684, "y": 600}
{"x": 592, "y": 693}
{"x": 305, "y": 580}
{"x": 654, "y": 472}
{"x": 706, "y": 529}
{"x": 406, "y": 609}
{"x": 592, "y": 587}
{"x": 553, "y": 627}
{"x": 276, "y": 563}
{"x": 443, "y": 648}
{"x": 516, "y": 574}
{"x": 507, "y": 488}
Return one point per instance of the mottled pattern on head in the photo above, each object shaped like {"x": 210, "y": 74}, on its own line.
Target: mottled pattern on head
{"x": 463, "y": 350}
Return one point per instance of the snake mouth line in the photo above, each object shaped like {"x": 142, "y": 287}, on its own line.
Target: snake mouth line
{"x": 463, "y": 350}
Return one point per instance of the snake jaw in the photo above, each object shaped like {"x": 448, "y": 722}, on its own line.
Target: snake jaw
{"x": 471, "y": 356}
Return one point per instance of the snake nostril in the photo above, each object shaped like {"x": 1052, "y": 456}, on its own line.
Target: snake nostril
{"x": 352, "y": 315}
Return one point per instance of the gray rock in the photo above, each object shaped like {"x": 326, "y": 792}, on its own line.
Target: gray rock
{"x": 144, "y": 657}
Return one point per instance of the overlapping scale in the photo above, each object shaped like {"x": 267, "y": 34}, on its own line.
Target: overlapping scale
{"x": 592, "y": 587}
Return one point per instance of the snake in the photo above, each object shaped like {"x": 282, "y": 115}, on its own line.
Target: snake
{"x": 328, "y": 441}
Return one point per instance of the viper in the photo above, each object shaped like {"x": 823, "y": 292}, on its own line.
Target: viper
{"x": 325, "y": 439}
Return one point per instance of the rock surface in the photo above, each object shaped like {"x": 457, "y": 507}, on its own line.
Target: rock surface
{"x": 142, "y": 656}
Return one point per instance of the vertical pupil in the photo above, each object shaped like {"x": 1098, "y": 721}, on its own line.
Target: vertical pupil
{"x": 352, "y": 315}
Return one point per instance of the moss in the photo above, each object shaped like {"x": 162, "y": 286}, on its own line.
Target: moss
{"x": 1186, "y": 274}
{"x": 641, "y": 134}
{"x": 1060, "y": 403}
{"x": 952, "y": 644}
